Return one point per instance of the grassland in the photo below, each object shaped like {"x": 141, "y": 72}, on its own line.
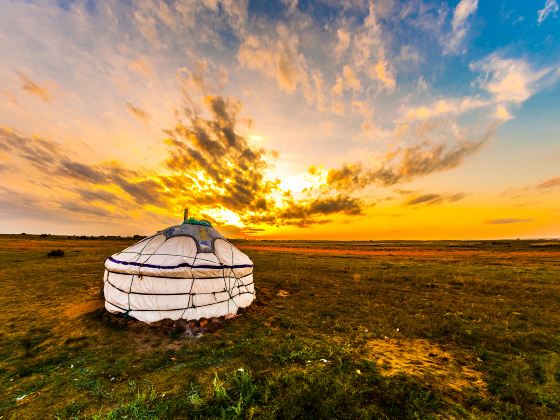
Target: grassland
{"x": 363, "y": 330}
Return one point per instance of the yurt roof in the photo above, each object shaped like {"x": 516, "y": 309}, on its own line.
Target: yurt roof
{"x": 203, "y": 235}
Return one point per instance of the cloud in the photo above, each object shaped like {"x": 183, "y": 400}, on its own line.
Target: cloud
{"x": 550, "y": 8}
{"x": 291, "y": 5}
{"x": 459, "y": 24}
{"x": 48, "y": 157}
{"x": 419, "y": 160}
{"x": 162, "y": 22}
{"x": 502, "y": 113}
{"x": 236, "y": 12}
{"x": 410, "y": 162}
{"x": 339, "y": 204}
{"x": 346, "y": 81}
{"x": 146, "y": 24}
{"x": 98, "y": 195}
{"x": 85, "y": 208}
{"x": 508, "y": 80}
{"x": 210, "y": 165}
{"x": 446, "y": 106}
{"x": 367, "y": 41}
{"x": 26, "y": 205}
{"x": 41, "y": 153}
{"x": 425, "y": 199}
{"x": 138, "y": 113}
{"x": 507, "y": 220}
{"x": 277, "y": 58}
{"x": 429, "y": 199}
{"x": 18, "y": 205}
{"x": 409, "y": 54}
{"x": 147, "y": 191}
{"x": 369, "y": 56}
{"x": 385, "y": 75}
{"x": 142, "y": 67}
{"x": 343, "y": 42}
{"x": 549, "y": 183}
{"x": 204, "y": 76}
{"x": 529, "y": 190}
{"x": 77, "y": 170}
{"x": 214, "y": 164}
{"x": 33, "y": 88}
{"x": 304, "y": 213}
{"x": 211, "y": 158}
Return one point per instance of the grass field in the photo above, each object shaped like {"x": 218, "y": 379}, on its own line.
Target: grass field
{"x": 339, "y": 330}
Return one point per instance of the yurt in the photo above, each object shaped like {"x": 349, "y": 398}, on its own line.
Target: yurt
{"x": 188, "y": 271}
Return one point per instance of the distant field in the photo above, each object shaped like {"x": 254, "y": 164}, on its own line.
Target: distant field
{"x": 340, "y": 329}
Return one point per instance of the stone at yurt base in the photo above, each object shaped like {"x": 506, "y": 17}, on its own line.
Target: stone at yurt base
{"x": 188, "y": 271}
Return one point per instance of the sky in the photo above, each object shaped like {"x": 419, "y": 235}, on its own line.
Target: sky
{"x": 346, "y": 120}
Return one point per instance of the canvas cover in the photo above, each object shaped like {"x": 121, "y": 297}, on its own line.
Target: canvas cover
{"x": 183, "y": 272}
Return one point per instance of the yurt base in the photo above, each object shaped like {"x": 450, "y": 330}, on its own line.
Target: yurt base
{"x": 170, "y": 327}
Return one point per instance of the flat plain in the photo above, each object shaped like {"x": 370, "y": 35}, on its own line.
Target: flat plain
{"x": 372, "y": 329}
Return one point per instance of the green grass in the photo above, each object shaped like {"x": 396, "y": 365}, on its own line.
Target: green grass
{"x": 494, "y": 307}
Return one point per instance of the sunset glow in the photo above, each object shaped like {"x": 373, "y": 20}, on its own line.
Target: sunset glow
{"x": 288, "y": 120}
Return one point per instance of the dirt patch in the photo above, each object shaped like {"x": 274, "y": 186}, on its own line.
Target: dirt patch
{"x": 423, "y": 358}
{"x": 81, "y": 308}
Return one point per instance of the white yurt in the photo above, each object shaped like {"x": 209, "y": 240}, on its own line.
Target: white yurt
{"x": 188, "y": 271}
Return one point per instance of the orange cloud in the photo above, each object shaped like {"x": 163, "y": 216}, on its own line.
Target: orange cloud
{"x": 279, "y": 57}
{"x": 347, "y": 81}
{"x": 406, "y": 164}
{"x": 210, "y": 168}
{"x": 505, "y": 221}
{"x": 138, "y": 113}
{"x": 429, "y": 199}
{"x": 549, "y": 183}
{"x": 33, "y": 88}
{"x": 383, "y": 73}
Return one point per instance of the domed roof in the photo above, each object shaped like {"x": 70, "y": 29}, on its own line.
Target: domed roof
{"x": 203, "y": 235}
